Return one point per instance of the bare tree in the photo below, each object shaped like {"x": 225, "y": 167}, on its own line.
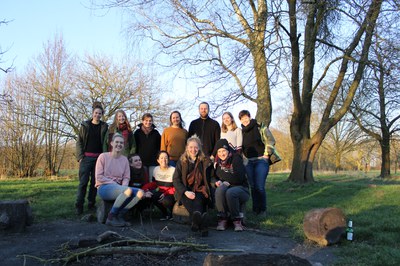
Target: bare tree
{"x": 21, "y": 144}
{"x": 117, "y": 86}
{"x": 376, "y": 106}
{"x": 342, "y": 139}
{"x": 322, "y": 22}
{"x": 230, "y": 44}
{"x": 242, "y": 41}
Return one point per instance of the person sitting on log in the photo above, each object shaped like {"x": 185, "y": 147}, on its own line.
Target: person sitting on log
{"x": 112, "y": 180}
{"x": 232, "y": 188}
{"x": 191, "y": 186}
{"x": 139, "y": 179}
{"x": 161, "y": 190}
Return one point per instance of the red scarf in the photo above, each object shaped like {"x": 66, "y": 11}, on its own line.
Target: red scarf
{"x": 123, "y": 128}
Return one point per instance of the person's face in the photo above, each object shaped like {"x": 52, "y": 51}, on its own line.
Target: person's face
{"x": 203, "y": 110}
{"x": 121, "y": 118}
{"x": 136, "y": 162}
{"x": 97, "y": 114}
{"x": 222, "y": 154}
{"x": 175, "y": 119}
{"x": 227, "y": 119}
{"x": 147, "y": 121}
{"x": 117, "y": 144}
{"x": 163, "y": 160}
{"x": 245, "y": 120}
{"x": 192, "y": 149}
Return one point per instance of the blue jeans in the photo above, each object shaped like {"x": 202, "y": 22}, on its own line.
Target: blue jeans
{"x": 86, "y": 173}
{"x": 112, "y": 191}
{"x": 257, "y": 172}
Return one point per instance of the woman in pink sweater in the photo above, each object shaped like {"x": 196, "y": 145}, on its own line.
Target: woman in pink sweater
{"x": 112, "y": 179}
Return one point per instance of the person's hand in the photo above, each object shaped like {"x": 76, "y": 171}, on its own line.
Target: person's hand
{"x": 226, "y": 183}
{"x": 190, "y": 195}
{"x": 161, "y": 198}
{"x": 266, "y": 157}
{"x": 148, "y": 194}
{"x": 218, "y": 183}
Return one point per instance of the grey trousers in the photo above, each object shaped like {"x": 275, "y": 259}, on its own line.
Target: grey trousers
{"x": 230, "y": 199}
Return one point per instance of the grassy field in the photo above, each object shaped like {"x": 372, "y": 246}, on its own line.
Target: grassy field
{"x": 373, "y": 205}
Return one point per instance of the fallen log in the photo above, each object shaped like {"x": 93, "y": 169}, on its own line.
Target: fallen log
{"x": 255, "y": 259}
{"x": 324, "y": 226}
{"x": 136, "y": 249}
{"x": 15, "y": 215}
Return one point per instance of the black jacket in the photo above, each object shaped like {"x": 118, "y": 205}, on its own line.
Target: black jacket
{"x": 253, "y": 145}
{"x": 209, "y": 132}
{"x": 235, "y": 173}
{"x": 147, "y": 146}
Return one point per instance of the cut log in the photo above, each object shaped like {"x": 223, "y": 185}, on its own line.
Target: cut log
{"x": 324, "y": 226}
{"x": 103, "y": 208}
{"x": 15, "y": 215}
{"x": 255, "y": 259}
{"x": 180, "y": 214}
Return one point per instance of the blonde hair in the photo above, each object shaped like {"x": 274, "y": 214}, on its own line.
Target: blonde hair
{"x": 114, "y": 125}
{"x": 224, "y": 128}
{"x": 200, "y": 154}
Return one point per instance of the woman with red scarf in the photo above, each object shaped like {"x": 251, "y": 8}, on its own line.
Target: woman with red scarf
{"x": 121, "y": 125}
{"x": 232, "y": 188}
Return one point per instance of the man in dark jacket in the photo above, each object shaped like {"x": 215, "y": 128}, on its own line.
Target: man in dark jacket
{"x": 89, "y": 146}
{"x": 206, "y": 128}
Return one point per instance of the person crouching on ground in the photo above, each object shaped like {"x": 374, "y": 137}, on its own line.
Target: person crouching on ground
{"x": 191, "y": 185}
{"x": 112, "y": 179}
{"x": 232, "y": 188}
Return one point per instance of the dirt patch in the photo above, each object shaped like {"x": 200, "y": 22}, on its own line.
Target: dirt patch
{"x": 48, "y": 240}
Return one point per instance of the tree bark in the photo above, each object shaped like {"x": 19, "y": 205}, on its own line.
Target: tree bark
{"x": 385, "y": 153}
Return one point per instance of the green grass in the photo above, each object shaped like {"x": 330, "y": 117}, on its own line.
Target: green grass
{"x": 373, "y": 205}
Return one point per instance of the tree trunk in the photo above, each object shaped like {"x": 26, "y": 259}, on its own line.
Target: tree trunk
{"x": 303, "y": 157}
{"x": 385, "y": 148}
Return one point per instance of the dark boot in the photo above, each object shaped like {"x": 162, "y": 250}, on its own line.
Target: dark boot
{"x": 204, "y": 224}
{"x": 196, "y": 221}
{"x": 113, "y": 220}
{"x": 78, "y": 209}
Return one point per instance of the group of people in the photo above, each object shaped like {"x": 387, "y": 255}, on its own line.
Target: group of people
{"x": 203, "y": 167}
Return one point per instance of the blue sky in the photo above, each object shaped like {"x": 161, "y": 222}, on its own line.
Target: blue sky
{"x": 84, "y": 29}
{"x": 33, "y": 23}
